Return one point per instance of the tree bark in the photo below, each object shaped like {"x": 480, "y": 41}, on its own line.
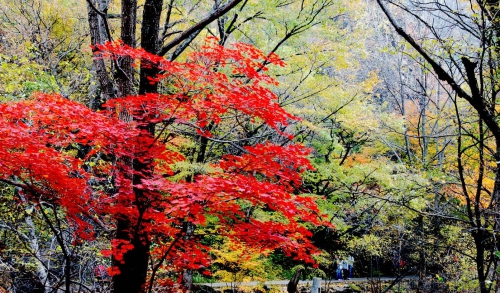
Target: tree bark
{"x": 41, "y": 271}
{"x": 294, "y": 281}
{"x": 150, "y": 42}
{"x": 125, "y": 70}
{"x": 96, "y": 38}
{"x": 479, "y": 239}
{"x": 133, "y": 269}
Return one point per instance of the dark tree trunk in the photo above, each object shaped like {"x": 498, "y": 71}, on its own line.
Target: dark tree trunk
{"x": 480, "y": 249}
{"x": 149, "y": 41}
{"x": 133, "y": 269}
{"x": 187, "y": 274}
{"x": 134, "y": 266}
{"x": 125, "y": 70}
{"x": 496, "y": 224}
{"x": 96, "y": 37}
{"x": 294, "y": 281}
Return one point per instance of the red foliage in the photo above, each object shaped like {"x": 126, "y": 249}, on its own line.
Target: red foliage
{"x": 38, "y": 138}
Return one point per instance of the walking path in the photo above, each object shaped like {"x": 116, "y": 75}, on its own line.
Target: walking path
{"x": 285, "y": 282}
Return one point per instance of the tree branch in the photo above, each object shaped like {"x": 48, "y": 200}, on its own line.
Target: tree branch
{"x": 198, "y": 26}
{"x": 475, "y": 100}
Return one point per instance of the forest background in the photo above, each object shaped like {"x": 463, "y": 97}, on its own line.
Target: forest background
{"x": 396, "y": 99}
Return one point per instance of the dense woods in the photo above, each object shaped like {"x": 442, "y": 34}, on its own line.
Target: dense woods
{"x": 150, "y": 146}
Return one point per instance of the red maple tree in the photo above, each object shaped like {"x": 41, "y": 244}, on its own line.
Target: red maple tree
{"x": 133, "y": 146}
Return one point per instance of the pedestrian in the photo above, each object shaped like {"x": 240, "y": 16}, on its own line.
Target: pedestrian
{"x": 339, "y": 268}
{"x": 345, "y": 268}
{"x": 332, "y": 272}
{"x": 350, "y": 263}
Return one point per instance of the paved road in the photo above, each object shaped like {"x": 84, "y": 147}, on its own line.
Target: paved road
{"x": 285, "y": 282}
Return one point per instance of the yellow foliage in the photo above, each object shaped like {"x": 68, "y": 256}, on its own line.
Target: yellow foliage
{"x": 44, "y": 49}
{"x": 238, "y": 263}
{"x": 370, "y": 244}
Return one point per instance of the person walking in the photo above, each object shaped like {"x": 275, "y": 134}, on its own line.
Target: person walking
{"x": 345, "y": 268}
{"x": 339, "y": 268}
{"x": 332, "y": 272}
{"x": 350, "y": 266}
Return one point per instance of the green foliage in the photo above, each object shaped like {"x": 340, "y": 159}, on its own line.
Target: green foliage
{"x": 22, "y": 77}
{"x": 44, "y": 49}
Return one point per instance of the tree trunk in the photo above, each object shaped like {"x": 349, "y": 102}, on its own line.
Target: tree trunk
{"x": 125, "y": 70}
{"x": 41, "y": 271}
{"x": 187, "y": 274}
{"x": 479, "y": 241}
{"x": 32, "y": 238}
{"x": 495, "y": 201}
{"x": 149, "y": 41}
{"x": 96, "y": 24}
{"x": 134, "y": 267}
{"x": 423, "y": 119}
{"x": 294, "y": 281}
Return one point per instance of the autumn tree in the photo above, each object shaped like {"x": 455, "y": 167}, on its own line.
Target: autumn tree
{"x": 155, "y": 214}
{"x": 168, "y": 29}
